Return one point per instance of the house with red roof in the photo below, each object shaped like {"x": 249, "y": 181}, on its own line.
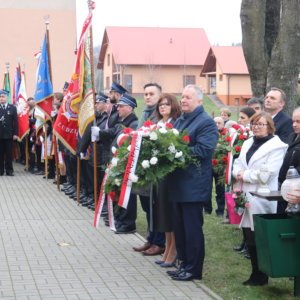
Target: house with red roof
{"x": 226, "y": 75}
{"x": 134, "y": 56}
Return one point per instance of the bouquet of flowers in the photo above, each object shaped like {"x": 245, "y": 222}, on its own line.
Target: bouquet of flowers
{"x": 161, "y": 151}
{"x": 241, "y": 135}
{"x": 220, "y": 157}
{"x": 240, "y": 200}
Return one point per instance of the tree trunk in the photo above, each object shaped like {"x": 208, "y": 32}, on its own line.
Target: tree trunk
{"x": 253, "y": 30}
{"x": 271, "y": 44}
{"x": 284, "y": 66}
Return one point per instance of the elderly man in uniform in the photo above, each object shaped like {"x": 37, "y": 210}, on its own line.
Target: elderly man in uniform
{"x": 8, "y": 133}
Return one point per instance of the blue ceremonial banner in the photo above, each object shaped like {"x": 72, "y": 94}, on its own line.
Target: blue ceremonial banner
{"x": 44, "y": 90}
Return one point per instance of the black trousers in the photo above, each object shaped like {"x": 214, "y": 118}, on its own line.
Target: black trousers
{"x": 154, "y": 237}
{"x": 6, "y": 146}
{"x": 189, "y": 237}
{"x": 220, "y": 197}
{"x": 126, "y": 217}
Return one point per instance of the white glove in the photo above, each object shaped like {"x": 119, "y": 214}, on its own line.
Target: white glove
{"x": 95, "y": 133}
{"x": 53, "y": 113}
{"x": 81, "y": 155}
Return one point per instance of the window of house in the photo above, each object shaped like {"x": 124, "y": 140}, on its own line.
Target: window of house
{"x": 108, "y": 60}
{"x": 128, "y": 82}
{"x": 213, "y": 82}
{"x": 220, "y": 77}
{"x": 189, "y": 79}
{"x": 107, "y": 83}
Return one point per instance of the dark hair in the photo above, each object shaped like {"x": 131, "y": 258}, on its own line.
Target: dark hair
{"x": 256, "y": 100}
{"x": 282, "y": 93}
{"x": 248, "y": 111}
{"x": 30, "y": 99}
{"x": 153, "y": 84}
{"x": 269, "y": 120}
{"x": 175, "y": 107}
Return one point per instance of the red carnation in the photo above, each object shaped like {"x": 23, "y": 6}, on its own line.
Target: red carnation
{"x": 214, "y": 162}
{"x": 237, "y": 148}
{"x": 186, "y": 139}
{"x": 127, "y": 130}
{"x": 242, "y": 137}
{"x": 236, "y": 126}
{"x": 228, "y": 139}
{"x": 112, "y": 195}
{"x": 225, "y": 159}
{"x": 169, "y": 125}
{"x": 223, "y": 131}
{"x": 148, "y": 123}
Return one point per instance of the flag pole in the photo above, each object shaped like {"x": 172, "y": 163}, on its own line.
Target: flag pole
{"x": 91, "y": 7}
{"x": 47, "y": 22}
{"x": 27, "y": 136}
{"x": 78, "y": 181}
{"x": 54, "y": 141}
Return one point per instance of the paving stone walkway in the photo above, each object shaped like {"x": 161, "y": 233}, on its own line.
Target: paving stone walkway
{"x": 50, "y": 250}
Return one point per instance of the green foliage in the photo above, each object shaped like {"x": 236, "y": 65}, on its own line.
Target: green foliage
{"x": 163, "y": 149}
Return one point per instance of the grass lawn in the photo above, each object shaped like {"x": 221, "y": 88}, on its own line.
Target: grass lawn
{"x": 224, "y": 269}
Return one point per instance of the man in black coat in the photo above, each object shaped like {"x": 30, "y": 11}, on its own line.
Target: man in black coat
{"x": 8, "y": 133}
{"x": 125, "y": 218}
{"x": 274, "y": 103}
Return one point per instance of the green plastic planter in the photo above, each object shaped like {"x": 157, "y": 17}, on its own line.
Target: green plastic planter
{"x": 278, "y": 246}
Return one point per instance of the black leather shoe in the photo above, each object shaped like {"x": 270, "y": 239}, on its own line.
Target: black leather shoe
{"x": 39, "y": 173}
{"x": 256, "y": 279}
{"x": 124, "y": 230}
{"x": 1, "y": 173}
{"x": 185, "y": 276}
{"x": 88, "y": 203}
{"x": 175, "y": 272}
{"x": 70, "y": 191}
{"x": 92, "y": 206}
{"x": 10, "y": 173}
{"x": 72, "y": 196}
{"x": 239, "y": 247}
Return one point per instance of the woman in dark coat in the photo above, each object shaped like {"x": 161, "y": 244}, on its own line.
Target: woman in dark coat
{"x": 167, "y": 110}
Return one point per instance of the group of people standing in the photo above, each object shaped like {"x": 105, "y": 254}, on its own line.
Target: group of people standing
{"x": 273, "y": 147}
{"x": 174, "y": 207}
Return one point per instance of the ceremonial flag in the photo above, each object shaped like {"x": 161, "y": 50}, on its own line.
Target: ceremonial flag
{"x": 17, "y": 83}
{"x": 6, "y": 86}
{"x": 83, "y": 102}
{"x": 44, "y": 90}
{"x": 77, "y": 108}
{"x": 22, "y": 109}
{"x": 41, "y": 119}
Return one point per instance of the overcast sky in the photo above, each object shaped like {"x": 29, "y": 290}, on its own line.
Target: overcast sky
{"x": 219, "y": 18}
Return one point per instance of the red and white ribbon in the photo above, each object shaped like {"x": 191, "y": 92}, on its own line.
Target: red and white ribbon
{"x": 101, "y": 200}
{"x": 130, "y": 168}
{"x": 110, "y": 208}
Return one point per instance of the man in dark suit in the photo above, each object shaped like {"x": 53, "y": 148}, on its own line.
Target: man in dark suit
{"x": 8, "y": 133}
{"x": 274, "y": 103}
{"x": 191, "y": 187}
